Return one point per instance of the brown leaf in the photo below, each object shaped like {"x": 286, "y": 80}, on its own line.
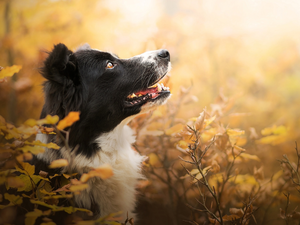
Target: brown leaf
{"x": 235, "y": 211}
{"x": 15, "y": 182}
{"x": 199, "y": 124}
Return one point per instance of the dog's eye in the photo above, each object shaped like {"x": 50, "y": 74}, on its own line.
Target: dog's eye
{"x": 109, "y": 65}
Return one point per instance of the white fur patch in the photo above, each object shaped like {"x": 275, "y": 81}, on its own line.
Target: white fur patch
{"x": 116, "y": 193}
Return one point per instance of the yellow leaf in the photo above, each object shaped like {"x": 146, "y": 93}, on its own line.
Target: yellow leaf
{"x": 199, "y": 175}
{"x": 105, "y": 171}
{"x": 27, "y": 131}
{"x": 244, "y": 179}
{"x": 39, "y": 143}
{"x": 48, "y": 223}
{"x": 207, "y": 122}
{"x": 9, "y": 71}
{"x": 28, "y": 182}
{"x": 27, "y": 168}
{"x": 274, "y": 130}
{"x": 183, "y": 144}
{"x": 277, "y": 175}
{"x": 248, "y": 156}
{"x": 32, "y": 149}
{"x": 175, "y": 129}
{"x": 154, "y": 160}
{"x": 24, "y": 157}
{"x": 31, "y": 217}
{"x": 68, "y": 120}
{"x": 78, "y": 187}
{"x": 15, "y": 199}
{"x": 51, "y": 119}
{"x": 234, "y": 132}
{"x": 58, "y": 163}
{"x": 30, "y": 122}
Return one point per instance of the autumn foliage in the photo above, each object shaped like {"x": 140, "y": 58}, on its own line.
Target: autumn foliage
{"x": 223, "y": 150}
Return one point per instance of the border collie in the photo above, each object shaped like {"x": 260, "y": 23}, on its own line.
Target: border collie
{"x": 108, "y": 92}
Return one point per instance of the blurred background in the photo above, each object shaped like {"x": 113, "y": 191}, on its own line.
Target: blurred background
{"x": 246, "y": 51}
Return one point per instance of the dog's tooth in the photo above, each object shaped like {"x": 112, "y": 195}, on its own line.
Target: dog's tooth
{"x": 159, "y": 87}
{"x": 153, "y": 86}
{"x": 131, "y": 96}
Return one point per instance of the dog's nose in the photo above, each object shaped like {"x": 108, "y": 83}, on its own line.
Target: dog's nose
{"x": 164, "y": 54}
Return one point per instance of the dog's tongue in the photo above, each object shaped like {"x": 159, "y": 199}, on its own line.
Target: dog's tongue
{"x": 147, "y": 91}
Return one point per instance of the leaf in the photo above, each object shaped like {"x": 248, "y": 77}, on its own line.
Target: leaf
{"x": 39, "y": 143}
{"x": 28, "y": 182}
{"x": 49, "y": 223}
{"x": 235, "y": 211}
{"x": 230, "y": 217}
{"x": 31, "y": 217}
{"x": 274, "y": 130}
{"x": 248, "y": 156}
{"x": 51, "y": 119}
{"x": 71, "y": 118}
{"x": 183, "y": 144}
{"x": 32, "y": 149}
{"x": 27, "y": 168}
{"x": 15, "y": 182}
{"x": 14, "y": 199}
{"x": 235, "y": 132}
{"x": 78, "y": 187}
{"x": 207, "y": 122}
{"x": 59, "y": 208}
{"x": 58, "y": 163}
{"x": 175, "y": 129}
{"x": 199, "y": 124}
{"x": 9, "y": 71}
{"x": 105, "y": 171}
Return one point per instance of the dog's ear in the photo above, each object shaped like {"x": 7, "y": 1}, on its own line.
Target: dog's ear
{"x": 60, "y": 65}
{"x": 62, "y": 88}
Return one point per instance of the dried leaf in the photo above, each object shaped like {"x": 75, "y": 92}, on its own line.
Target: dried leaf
{"x": 71, "y": 118}
{"x": 199, "y": 124}
{"x": 230, "y": 217}
{"x": 235, "y": 211}
{"x": 15, "y": 182}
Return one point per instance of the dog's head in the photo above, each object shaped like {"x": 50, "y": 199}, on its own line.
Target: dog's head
{"x": 104, "y": 88}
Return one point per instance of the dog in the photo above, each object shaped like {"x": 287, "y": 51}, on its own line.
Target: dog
{"x": 108, "y": 92}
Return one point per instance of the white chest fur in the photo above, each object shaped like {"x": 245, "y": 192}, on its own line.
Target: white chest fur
{"x": 116, "y": 193}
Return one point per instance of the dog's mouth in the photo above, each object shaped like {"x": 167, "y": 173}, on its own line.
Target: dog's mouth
{"x": 153, "y": 93}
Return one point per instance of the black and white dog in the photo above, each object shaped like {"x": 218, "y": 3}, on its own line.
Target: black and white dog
{"x": 108, "y": 92}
